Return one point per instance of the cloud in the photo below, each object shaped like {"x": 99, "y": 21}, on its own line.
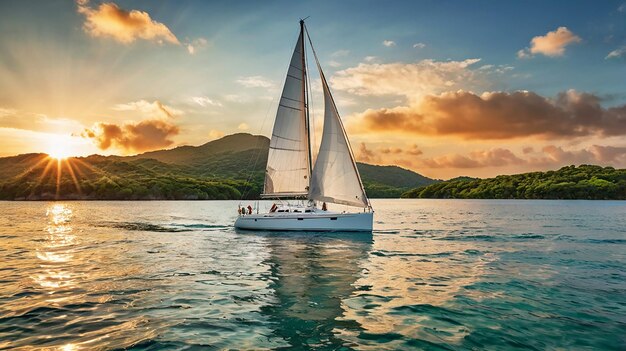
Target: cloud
{"x": 243, "y": 126}
{"x": 215, "y": 134}
{"x": 340, "y": 53}
{"x": 497, "y": 157}
{"x": 552, "y": 44}
{"x": 151, "y": 109}
{"x": 389, "y": 43}
{"x": 16, "y": 119}
{"x": 370, "y": 58}
{"x": 364, "y": 154}
{"x": 205, "y": 101}
{"x": 549, "y": 156}
{"x": 195, "y": 45}
{"x": 499, "y": 69}
{"x": 622, "y": 7}
{"x": 7, "y": 112}
{"x": 133, "y": 137}
{"x": 110, "y": 21}
{"x": 524, "y": 54}
{"x": 556, "y": 155}
{"x": 255, "y": 82}
{"x": 387, "y": 155}
{"x": 345, "y": 101}
{"x": 617, "y": 53}
{"x": 552, "y": 155}
{"x": 414, "y": 150}
{"x": 498, "y": 115}
{"x": 333, "y": 63}
{"x": 609, "y": 154}
{"x": 391, "y": 150}
{"x": 407, "y": 79}
{"x": 419, "y": 45}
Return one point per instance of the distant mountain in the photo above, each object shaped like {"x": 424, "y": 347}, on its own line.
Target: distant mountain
{"x": 208, "y": 153}
{"x": 390, "y": 181}
{"x": 226, "y": 168}
{"x": 233, "y": 156}
{"x": 571, "y": 182}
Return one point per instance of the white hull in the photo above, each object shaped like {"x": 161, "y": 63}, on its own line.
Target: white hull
{"x": 313, "y": 221}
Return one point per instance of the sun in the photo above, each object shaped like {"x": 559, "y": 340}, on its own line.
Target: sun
{"x": 59, "y": 153}
{"x": 60, "y": 147}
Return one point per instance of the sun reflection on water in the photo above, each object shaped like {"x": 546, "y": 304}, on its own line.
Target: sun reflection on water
{"x": 56, "y": 250}
{"x": 69, "y": 347}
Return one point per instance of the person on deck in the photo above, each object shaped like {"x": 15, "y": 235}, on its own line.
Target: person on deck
{"x": 274, "y": 208}
{"x": 249, "y": 209}
{"x": 324, "y": 208}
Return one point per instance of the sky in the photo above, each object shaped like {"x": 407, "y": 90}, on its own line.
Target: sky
{"x": 444, "y": 88}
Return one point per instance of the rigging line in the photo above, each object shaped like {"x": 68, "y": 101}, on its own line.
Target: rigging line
{"x": 293, "y": 108}
{"x": 284, "y": 138}
{"x": 305, "y": 97}
{"x": 247, "y": 187}
{"x": 293, "y": 77}
{"x": 294, "y": 100}
{"x": 312, "y": 132}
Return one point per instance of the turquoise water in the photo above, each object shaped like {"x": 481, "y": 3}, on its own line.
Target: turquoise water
{"x": 434, "y": 275}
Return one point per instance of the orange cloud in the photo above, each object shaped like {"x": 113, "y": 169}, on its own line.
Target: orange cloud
{"x": 156, "y": 108}
{"x": 215, "y": 134}
{"x": 143, "y": 136}
{"x": 596, "y": 154}
{"x": 498, "y": 115}
{"x": 552, "y": 44}
{"x": 489, "y": 158}
{"x": 548, "y": 157}
{"x": 108, "y": 20}
{"x": 388, "y": 155}
{"x": 476, "y": 162}
{"x": 365, "y": 155}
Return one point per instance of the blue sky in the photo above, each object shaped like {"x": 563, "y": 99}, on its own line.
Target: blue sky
{"x": 59, "y": 76}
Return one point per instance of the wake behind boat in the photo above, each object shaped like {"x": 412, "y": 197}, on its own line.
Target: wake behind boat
{"x": 289, "y": 172}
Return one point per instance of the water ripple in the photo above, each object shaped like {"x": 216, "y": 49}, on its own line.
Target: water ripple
{"x": 434, "y": 275}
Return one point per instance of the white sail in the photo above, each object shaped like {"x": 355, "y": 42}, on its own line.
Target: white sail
{"x": 335, "y": 177}
{"x": 288, "y": 166}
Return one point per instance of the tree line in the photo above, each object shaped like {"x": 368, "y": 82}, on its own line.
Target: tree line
{"x": 571, "y": 182}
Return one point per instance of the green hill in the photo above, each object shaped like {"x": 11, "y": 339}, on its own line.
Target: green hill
{"x": 582, "y": 182}
{"x": 390, "y": 181}
{"x": 221, "y": 169}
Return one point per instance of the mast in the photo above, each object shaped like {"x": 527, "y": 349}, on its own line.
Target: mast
{"x": 305, "y": 98}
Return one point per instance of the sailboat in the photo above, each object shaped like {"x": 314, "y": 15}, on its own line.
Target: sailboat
{"x": 290, "y": 173}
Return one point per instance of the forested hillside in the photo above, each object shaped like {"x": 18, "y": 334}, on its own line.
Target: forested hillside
{"x": 228, "y": 168}
{"x": 582, "y": 182}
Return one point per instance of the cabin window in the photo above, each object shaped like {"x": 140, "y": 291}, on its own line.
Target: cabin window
{"x": 297, "y": 211}
{"x": 300, "y": 219}
{"x": 307, "y": 211}
{"x": 281, "y": 211}
{"x": 333, "y": 218}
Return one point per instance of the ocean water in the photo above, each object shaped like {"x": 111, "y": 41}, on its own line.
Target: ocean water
{"x": 434, "y": 275}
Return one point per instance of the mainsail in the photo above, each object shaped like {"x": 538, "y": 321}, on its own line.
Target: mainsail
{"x": 288, "y": 165}
{"x": 335, "y": 177}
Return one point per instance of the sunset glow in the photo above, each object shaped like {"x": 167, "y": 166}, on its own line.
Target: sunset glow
{"x": 61, "y": 147}
{"x": 444, "y": 91}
